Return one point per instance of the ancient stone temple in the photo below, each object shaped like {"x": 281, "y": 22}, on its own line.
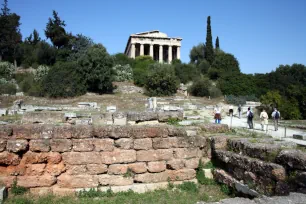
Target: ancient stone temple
{"x": 155, "y": 44}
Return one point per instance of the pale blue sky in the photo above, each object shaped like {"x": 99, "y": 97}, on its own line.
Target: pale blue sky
{"x": 261, "y": 33}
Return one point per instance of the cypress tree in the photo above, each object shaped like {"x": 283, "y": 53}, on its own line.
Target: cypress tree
{"x": 209, "y": 55}
{"x": 217, "y": 43}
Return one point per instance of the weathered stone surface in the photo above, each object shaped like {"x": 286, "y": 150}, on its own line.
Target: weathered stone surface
{"x": 175, "y": 164}
{"x": 36, "y": 158}
{"x": 119, "y": 156}
{"x": 7, "y": 180}
{"x": 40, "y": 145}
{"x": 103, "y": 145}
{"x": 138, "y": 168}
{"x": 151, "y": 177}
{"x": 214, "y": 128}
{"x": 165, "y": 116}
{"x": 61, "y": 145}
{"x": 95, "y": 169}
{"x": 124, "y": 143}
{"x": 292, "y": 159}
{"x": 181, "y": 174}
{"x": 117, "y": 169}
{"x": 35, "y": 169}
{"x": 259, "y": 167}
{"x": 154, "y": 155}
{"x": 76, "y": 169}
{"x": 155, "y": 167}
{"x": 16, "y": 145}
{"x": 6, "y": 131}
{"x": 41, "y": 191}
{"x": 187, "y": 153}
{"x": 144, "y": 144}
{"x": 82, "y": 131}
{"x": 82, "y": 145}
{"x": 148, "y": 131}
{"x": 79, "y": 158}
{"x": 192, "y": 163}
{"x": 2, "y": 145}
{"x": 114, "y": 180}
{"x": 141, "y": 116}
{"x": 176, "y": 132}
{"x": 55, "y": 169}
{"x": 300, "y": 179}
{"x": 7, "y": 158}
{"x": 62, "y": 132}
{"x": 194, "y": 141}
{"x": 77, "y": 181}
{"x": 219, "y": 142}
{"x": 36, "y": 181}
{"x": 165, "y": 143}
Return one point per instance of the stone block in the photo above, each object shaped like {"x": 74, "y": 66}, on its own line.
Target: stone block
{"x": 111, "y": 109}
{"x": 176, "y": 131}
{"x": 143, "y": 144}
{"x": 117, "y": 169}
{"x": 299, "y": 136}
{"x": 154, "y": 155}
{"x": 82, "y": 131}
{"x": 3, "y": 192}
{"x": 192, "y": 163}
{"x": 7, "y": 158}
{"x": 114, "y": 180}
{"x": 62, "y": 132}
{"x": 7, "y": 180}
{"x": 138, "y": 168}
{"x": 214, "y": 128}
{"x": 141, "y": 116}
{"x": 76, "y": 169}
{"x": 147, "y": 132}
{"x": 165, "y": 116}
{"x": 55, "y": 169}
{"x": 35, "y": 169}
{"x": 41, "y": 191}
{"x": 6, "y": 131}
{"x": 187, "y": 153}
{"x": 219, "y": 142}
{"x": 155, "y": 167}
{"x": 165, "y": 143}
{"x": 292, "y": 159}
{"x": 119, "y": 118}
{"x": 152, "y": 177}
{"x": 208, "y": 173}
{"x": 77, "y": 181}
{"x": 36, "y": 181}
{"x": 151, "y": 122}
{"x": 95, "y": 169}
{"x": 79, "y": 158}
{"x": 44, "y": 157}
{"x": 181, "y": 174}
{"x": 103, "y": 145}
{"x": 120, "y": 156}
{"x": 2, "y": 145}
{"x": 124, "y": 143}
{"x": 40, "y": 145}
{"x": 61, "y": 145}
{"x": 17, "y": 145}
{"x": 175, "y": 164}
{"x": 82, "y": 145}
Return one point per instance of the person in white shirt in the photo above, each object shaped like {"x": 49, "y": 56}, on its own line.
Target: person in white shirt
{"x": 264, "y": 119}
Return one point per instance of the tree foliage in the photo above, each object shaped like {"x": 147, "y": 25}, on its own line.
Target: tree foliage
{"x": 33, "y": 39}
{"x": 96, "y": 69}
{"x": 197, "y": 53}
{"x": 78, "y": 46}
{"x": 6, "y": 70}
{"x": 141, "y": 69}
{"x": 209, "y": 54}
{"x": 186, "y": 72}
{"x": 217, "y": 46}
{"x": 226, "y": 64}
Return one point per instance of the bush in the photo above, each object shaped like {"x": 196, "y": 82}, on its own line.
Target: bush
{"x": 200, "y": 88}
{"x": 7, "y": 87}
{"x": 214, "y": 92}
{"x": 6, "y": 70}
{"x": 236, "y": 100}
{"x": 123, "y": 73}
{"x": 18, "y": 190}
{"x": 63, "y": 81}
{"x": 204, "y": 67}
{"x": 186, "y": 72}
{"x": 161, "y": 80}
{"x": 188, "y": 187}
{"x": 141, "y": 69}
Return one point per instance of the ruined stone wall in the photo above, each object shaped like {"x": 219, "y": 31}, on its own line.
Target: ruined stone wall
{"x": 58, "y": 158}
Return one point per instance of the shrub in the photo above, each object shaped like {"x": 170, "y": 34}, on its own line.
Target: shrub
{"x": 204, "y": 67}
{"x": 123, "y": 73}
{"x": 186, "y": 72}
{"x": 200, "y": 175}
{"x": 236, "y": 100}
{"x": 41, "y": 72}
{"x": 6, "y": 70}
{"x": 214, "y": 92}
{"x": 200, "y": 87}
{"x": 161, "y": 80}
{"x": 18, "y": 190}
{"x": 63, "y": 81}
{"x": 7, "y": 87}
{"x": 188, "y": 187}
{"x": 141, "y": 69}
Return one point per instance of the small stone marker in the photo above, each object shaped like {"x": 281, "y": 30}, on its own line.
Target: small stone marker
{"x": 3, "y": 193}
{"x": 301, "y": 136}
{"x": 3, "y": 111}
{"x": 111, "y": 109}
{"x": 70, "y": 115}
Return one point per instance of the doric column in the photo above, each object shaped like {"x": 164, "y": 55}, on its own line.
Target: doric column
{"x": 133, "y": 50}
{"x": 160, "y": 53}
{"x": 141, "y": 50}
{"x": 151, "y": 51}
{"x": 178, "y": 53}
{"x": 169, "y": 54}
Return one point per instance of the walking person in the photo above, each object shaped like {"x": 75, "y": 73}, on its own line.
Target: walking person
{"x": 276, "y": 117}
{"x": 264, "y": 120}
{"x": 217, "y": 115}
{"x": 239, "y": 111}
{"x": 231, "y": 111}
{"x": 250, "y": 116}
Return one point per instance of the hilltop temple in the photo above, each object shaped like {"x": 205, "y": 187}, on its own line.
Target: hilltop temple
{"x": 155, "y": 44}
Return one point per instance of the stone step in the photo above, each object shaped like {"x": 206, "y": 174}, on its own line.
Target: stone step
{"x": 190, "y": 122}
{"x": 301, "y": 136}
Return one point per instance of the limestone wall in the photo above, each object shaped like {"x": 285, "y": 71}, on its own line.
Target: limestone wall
{"x": 62, "y": 158}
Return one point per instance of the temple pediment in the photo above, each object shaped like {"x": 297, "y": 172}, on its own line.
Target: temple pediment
{"x": 154, "y": 33}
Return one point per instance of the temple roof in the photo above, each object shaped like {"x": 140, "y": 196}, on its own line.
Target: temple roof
{"x": 154, "y": 33}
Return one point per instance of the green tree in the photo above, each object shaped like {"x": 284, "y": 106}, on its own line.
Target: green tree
{"x": 209, "y": 50}
{"x": 141, "y": 69}
{"x": 161, "y": 80}
{"x": 45, "y": 53}
{"x": 55, "y": 31}
{"x": 217, "y": 43}
{"x": 122, "y": 59}
{"x": 79, "y": 45}
{"x": 6, "y": 70}
{"x": 10, "y": 36}
{"x": 186, "y": 72}
{"x": 200, "y": 87}
{"x": 197, "y": 53}
{"x": 203, "y": 66}
{"x": 33, "y": 39}
{"x": 96, "y": 69}
{"x": 271, "y": 99}
{"x": 226, "y": 63}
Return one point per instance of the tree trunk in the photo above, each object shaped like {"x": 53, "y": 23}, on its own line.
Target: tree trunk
{"x": 15, "y": 63}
